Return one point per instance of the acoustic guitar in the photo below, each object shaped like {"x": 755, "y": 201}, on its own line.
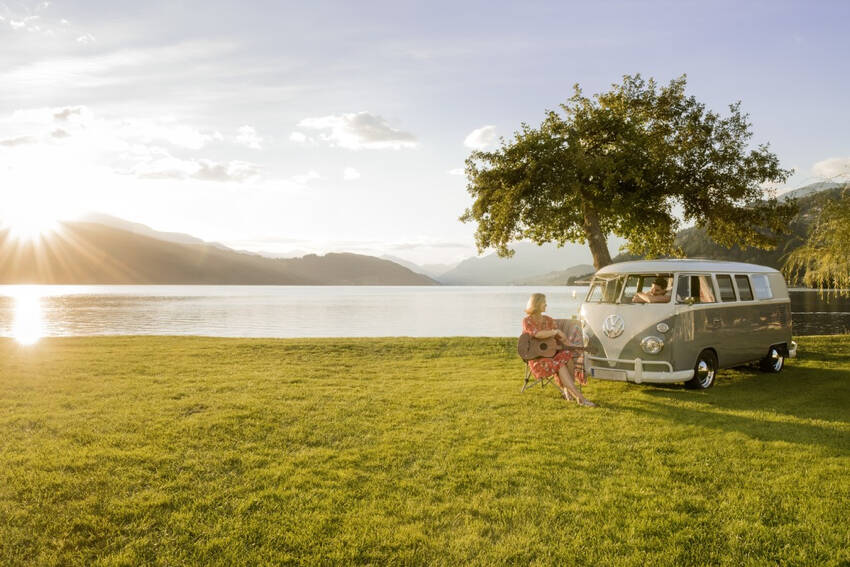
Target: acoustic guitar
{"x": 530, "y": 348}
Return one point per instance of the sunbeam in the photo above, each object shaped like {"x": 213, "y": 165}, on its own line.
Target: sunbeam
{"x": 28, "y": 326}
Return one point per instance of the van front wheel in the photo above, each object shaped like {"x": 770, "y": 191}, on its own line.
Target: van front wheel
{"x": 705, "y": 370}
{"x": 773, "y": 362}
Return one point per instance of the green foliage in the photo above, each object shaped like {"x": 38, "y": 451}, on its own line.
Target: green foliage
{"x": 619, "y": 162}
{"x": 823, "y": 261}
{"x": 199, "y": 451}
{"x": 695, "y": 242}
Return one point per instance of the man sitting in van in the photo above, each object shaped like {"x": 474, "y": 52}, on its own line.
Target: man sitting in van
{"x": 658, "y": 293}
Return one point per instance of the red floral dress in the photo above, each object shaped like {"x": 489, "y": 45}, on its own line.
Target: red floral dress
{"x": 544, "y": 367}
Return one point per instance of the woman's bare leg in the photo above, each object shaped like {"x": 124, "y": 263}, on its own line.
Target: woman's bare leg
{"x": 567, "y": 384}
{"x": 567, "y": 379}
{"x": 571, "y": 369}
{"x": 558, "y": 382}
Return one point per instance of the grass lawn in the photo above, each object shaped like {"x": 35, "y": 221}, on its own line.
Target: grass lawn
{"x": 175, "y": 451}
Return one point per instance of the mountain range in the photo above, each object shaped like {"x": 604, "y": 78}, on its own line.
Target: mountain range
{"x": 92, "y": 253}
{"x": 528, "y": 263}
{"x": 102, "y": 249}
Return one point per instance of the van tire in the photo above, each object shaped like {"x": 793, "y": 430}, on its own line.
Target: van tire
{"x": 705, "y": 371}
{"x": 774, "y": 362}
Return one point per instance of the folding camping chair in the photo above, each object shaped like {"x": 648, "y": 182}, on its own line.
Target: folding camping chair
{"x": 572, "y": 329}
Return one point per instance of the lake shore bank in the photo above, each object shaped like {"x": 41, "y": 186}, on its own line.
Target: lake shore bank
{"x": 193, "y": 450}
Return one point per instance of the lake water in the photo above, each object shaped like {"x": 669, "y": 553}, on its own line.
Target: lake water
{"x": 31, "y": 312}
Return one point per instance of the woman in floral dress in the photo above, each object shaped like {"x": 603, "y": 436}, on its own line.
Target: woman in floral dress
{"x": 541, "y": 326}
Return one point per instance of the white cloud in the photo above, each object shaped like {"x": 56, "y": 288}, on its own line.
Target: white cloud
{"x": 140, "y": 147}
{"x": 65, "y": 113}
{"x": 144, "y": 130}
{"x": 167, "y": 166}
{"x": 166, "y": 130}
{"x": 148, "y": 67}
{"x": 359, "y": 130}
{"x": 27, "y": 16}
{"x": 456, "y": 171}
{"x": 20, "y": 24}
{"x": 86, "y": 38}
{"x": 229, "y": 171}
{"x": 298, "y": 137}
{"x": 18, "y": 141}
{"x": 247, "y": 136}
{"x": 46, "y": 116}
{"x": 481, "y": 138}
{"x": 350, "y": 174}
{"x": 833, "y": 168}
{"x": 306, "y": 177}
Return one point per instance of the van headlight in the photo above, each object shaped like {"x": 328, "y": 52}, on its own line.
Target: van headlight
{"x": 652, "y": 345}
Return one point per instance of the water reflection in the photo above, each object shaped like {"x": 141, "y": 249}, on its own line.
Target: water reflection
{"x": 28, "y": 325}
{"x": 28, "y": 313}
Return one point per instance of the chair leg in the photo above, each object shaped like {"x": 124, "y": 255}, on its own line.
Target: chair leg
{"x": 528, "y": 379}
{"x": 527, "y": 376}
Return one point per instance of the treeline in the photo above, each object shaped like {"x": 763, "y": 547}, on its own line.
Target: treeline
{"x": 695, "y": 243}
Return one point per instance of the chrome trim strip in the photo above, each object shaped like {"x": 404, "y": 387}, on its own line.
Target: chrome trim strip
{"x": 634, "y": 361}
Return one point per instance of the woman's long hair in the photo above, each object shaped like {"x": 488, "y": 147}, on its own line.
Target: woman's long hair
{"x": 535, "y": 304}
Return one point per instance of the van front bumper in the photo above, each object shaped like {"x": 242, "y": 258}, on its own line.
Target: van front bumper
{"x": 662, "y": 372}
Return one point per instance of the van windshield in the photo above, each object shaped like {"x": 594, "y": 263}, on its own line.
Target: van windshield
{"x": 631, "y": 288}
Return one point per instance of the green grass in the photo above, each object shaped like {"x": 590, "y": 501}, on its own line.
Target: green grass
{"x": 174, "y": 451}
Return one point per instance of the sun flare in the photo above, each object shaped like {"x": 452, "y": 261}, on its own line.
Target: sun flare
{"x": 28, "y": 220}
{"x": 28, "y": 326}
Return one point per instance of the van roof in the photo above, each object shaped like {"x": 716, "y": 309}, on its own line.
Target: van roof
{"x": 683, "y": 265}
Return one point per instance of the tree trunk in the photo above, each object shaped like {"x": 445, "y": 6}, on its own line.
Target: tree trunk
{"x": 595, "y": 239}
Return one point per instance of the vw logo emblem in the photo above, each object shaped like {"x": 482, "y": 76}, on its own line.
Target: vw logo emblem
{"x": 613, "y": 326}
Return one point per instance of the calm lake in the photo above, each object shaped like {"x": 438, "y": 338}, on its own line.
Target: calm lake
{"x": 31, "y": 312}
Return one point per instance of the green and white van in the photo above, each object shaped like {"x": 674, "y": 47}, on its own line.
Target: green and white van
{"x": 708, "y": 315}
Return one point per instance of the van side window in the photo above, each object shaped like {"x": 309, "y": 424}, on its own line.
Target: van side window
{"x": 605, "y": 290}
{"x": 612, "y": 290}
{"x": 631, "y": 288}
{"x": 595, "y": 293}
{"x": 744, "y": 289}
{"x": 727, "y": 290}
{"x": 761, "y": 287}
{"x": 695, "y": 289}
{"x": 647, "y": 288}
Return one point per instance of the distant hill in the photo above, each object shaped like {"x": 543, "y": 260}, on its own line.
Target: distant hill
{"x": 529, "y": 261}
{"x": 431, "y": 270}
{"x": 90, "y": 253}
{"x": 144, "y": 230}
{"x": 695, "y": 242}
{"x": 558, "y": 277}
{"x": 344, "y": 268}
{"x": 810, "y": 189}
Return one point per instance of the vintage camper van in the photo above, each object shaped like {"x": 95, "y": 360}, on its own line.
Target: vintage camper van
{"x": 665, "y": 321}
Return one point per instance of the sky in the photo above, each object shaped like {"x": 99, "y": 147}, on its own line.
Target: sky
{"x": 295, "y": 127}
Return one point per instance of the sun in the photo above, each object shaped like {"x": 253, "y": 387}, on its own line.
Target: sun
{"x": 27, "y": 220}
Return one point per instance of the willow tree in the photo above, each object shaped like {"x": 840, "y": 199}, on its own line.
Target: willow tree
{"x": 636, "y": 161}
{"x": 823, "y": 261}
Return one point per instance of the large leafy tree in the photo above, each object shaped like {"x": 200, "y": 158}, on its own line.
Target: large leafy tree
{"x": 823, "y": 261}
{"x": 635, "y": 161}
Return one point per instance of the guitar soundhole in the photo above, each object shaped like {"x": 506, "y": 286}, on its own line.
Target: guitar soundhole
{"x": 543, "y": 346}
